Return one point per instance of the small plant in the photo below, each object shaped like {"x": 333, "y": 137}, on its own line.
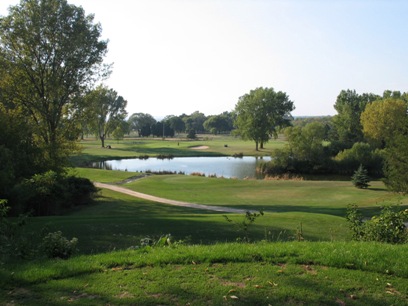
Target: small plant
{"x": 243, "y": 226}
{"x": 57, "y": 246}
{"x": 389, "y": 226}
{"x": 360, "y": 178}
{"x": 162, "y": 241}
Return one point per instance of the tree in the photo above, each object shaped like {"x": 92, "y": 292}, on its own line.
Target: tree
{"x": 382, "y": 120}
{"x": 217, "y": 124}
{"x": 176, "y": 123}
{"x": 349, "y": 106}
{"x": 396, "y": 164}
{"x": 107, "y": 111}
{"x": 53, "y": 52}
{"x": 304, "y": 152}
{"x": 20, "y": 156}
{"x": 194, "y": 121}
{"x": 139, "y": 121}
{"x": 360, "y": 178}
{"x": 386, "y": 122}
{"x": 260, "y": 113}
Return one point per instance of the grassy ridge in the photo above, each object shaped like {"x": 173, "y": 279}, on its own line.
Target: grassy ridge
{"x": 319, "y": 273}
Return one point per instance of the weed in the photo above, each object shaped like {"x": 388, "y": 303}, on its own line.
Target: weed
{"x": 244, "y": 225}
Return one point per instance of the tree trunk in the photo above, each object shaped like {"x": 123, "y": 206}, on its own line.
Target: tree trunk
{"x": 261, "y": 144}
{"x": 102, "y": 137}
{"x": 256, "y": 146}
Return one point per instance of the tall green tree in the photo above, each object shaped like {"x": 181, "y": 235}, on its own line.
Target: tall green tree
{"x": 53, "y": 51}
{"x": 217, "y": 124}
{"x": 349, "y": 106}
{"x": 386, "y": 122}
{"x": 138, "y": 121}
{"x": 384, "y": 119}
{"x": 107, "y": 111}
{"x": 176, "y": 123}
{"x": 260, "y": 113}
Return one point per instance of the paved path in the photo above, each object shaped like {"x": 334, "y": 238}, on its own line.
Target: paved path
{"x": 168, "y": 201}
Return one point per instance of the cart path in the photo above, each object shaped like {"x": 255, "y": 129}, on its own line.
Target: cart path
{"x": 168, "y": 201}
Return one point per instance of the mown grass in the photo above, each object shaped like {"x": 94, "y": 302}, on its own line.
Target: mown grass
{"x": 134, "y": 147}
{"x": 291, "y": 273}
{"x": 325, "y": 269}
{"x": 118, "y": 221}
{"x": 323, "y": 197}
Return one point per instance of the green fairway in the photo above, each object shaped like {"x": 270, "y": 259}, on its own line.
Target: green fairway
{"x": 134, "y": 147}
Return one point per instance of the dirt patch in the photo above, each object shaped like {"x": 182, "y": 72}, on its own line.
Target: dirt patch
{"x": 199, "y": 147}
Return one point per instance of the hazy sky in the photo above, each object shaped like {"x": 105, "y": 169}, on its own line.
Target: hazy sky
{"x": 179, "y": 56}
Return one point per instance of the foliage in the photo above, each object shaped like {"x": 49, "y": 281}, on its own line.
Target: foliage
{"x": 52, "y": 51}
{"x": 51, "y": 193}
{"x": 244, "y": 225}
{"x": 305, "y": 151}
{"x": 191, "y": 134}
{"x": 347, "y": 127}
{"x": 388, "y": 226}
{"x": 360, "y": 154}
{"x": 396, "y": 164}
{"x": 360, "y": 178}
{"x": 14, "y": 242}
{"x": 106, "y": 111}
{"x": 140, "y": 121}
{"x": 20, "y": 156}
{"x": 260, "y": 113}
{"x": 219, "y": 123}
{"x": 382, "y": 120}
{"x": 54, "y": 245}
{"x": 194, "y": 121}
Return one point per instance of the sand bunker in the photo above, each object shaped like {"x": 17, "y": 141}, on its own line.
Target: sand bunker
{"x": 199, "y": 148}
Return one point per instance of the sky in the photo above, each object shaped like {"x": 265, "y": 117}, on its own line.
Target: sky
{"x": 180, "y": 56}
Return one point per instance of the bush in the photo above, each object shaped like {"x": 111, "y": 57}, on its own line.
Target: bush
{"x": 360, "y": 178}
{"x": 388, "y": 227}
{"x": 360, "y": 154}
{"x": 51, "y": 193}
{"x": 57, "y": 246}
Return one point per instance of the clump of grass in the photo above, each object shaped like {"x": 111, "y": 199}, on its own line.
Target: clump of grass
{"x": 143, "y": 157}
{"x": 238, "y": 155}
{"x": 165, "y": 156}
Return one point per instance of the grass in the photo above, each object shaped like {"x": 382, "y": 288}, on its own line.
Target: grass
{"x": 326, "y": 269}
{"x": 319, "y": 273}
{"x": 118, "y": 221}
{"x": 322, "y": 197}
{"x": 134, "y": 147}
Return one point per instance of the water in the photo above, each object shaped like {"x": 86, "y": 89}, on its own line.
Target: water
{"x": 228, "y": 167}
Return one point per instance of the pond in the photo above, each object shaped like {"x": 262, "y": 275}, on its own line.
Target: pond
{"x": 228, "y": 167}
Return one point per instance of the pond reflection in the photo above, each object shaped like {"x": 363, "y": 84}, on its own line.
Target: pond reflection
{"x": 228, "y": 167}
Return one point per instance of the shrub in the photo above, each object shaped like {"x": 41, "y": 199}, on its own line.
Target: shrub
{"x": 387, "y": 227}
{"x": 50, "y": 193}
{"x": 55, "y": 245}
{"x": 360, "y": 154}
{"x": 360, "y": 178}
